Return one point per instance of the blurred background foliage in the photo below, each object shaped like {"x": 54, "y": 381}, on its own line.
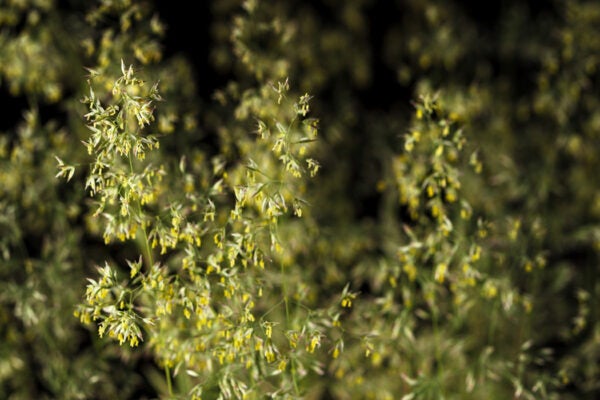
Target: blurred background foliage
{"x": 458, "y": 197}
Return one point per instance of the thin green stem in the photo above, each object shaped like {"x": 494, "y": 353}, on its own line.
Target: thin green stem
{"x": 287, "y": 322}
{"x": 270, "y": 310}
{"x": 146, "y": 241}
{"x": 285, "y": 296}
{"x": 168, "y": 378}
{"x": 437, "y": 351}
{"x": 149, "y": 263}
{"x": 146, "y": 244}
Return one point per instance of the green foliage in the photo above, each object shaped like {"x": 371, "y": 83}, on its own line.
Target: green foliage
{"x": 276, "y": 243}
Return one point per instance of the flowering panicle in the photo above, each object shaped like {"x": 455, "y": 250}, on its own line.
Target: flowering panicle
{"x": 215, "y": 256}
